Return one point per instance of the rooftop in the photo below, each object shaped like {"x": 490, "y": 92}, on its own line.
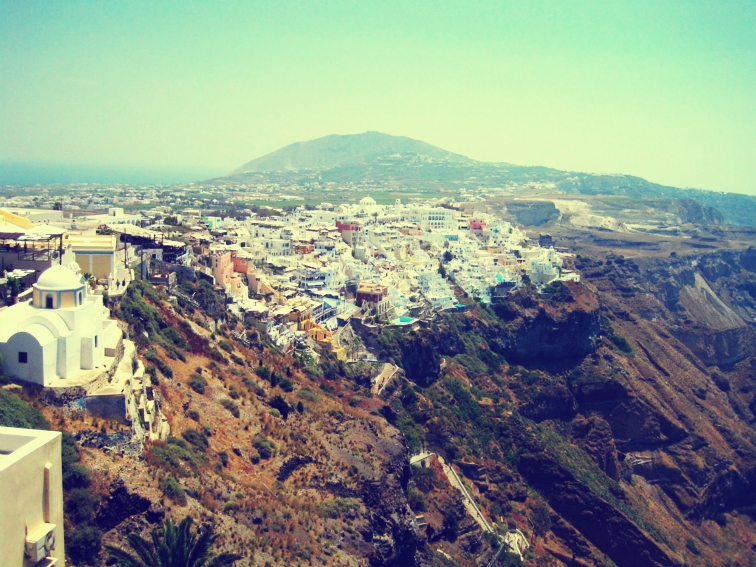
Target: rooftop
{"x": 16, "y": 443}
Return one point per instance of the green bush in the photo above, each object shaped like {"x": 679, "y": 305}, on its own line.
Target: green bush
{"x": 416, "y": 500}
{"x": 692, "y": 547}
{"x": 14, "y": 412}
{"x": 196, "y": 439}
{"x": 80, "y": 505}
{"x": 151, "y": 371}
{"x": 622, "y": 343}
{"x": 281, "y": 405}
{"x": 425, "y": 478}
{"x": 216, "y": 355}
{"x": 338, "y": 507}
{"x": 175, "y": 337}
{"x": 83, "y": 544}
{"x": 263, "y": 372}
{"x": 153, "y": 357}
{"x": 231, "y": 406}
{"x": 226, "y": 345}
{"x": 509, "y": 559}
{"x": 139, "y": 314}
{"x": 173, "y": 455}
{"x": 307, "y": 394}
{"x": 76, "y": 476}
{"x": 541, "y": 519}
{"x": 175, "y": 353}
{"x": 197, "y": 383}
{"x": 173, "y": 490}
{"x": 265, "y": 447}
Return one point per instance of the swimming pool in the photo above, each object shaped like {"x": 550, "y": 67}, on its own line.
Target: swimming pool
{"x": 403, "y": 321}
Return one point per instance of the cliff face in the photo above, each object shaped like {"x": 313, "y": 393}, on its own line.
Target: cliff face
{"x": 565, "y": 327}
{"x": 596, "y": 519}
{"x": 394, "y": 532}
{"x": 709, "y": 302}
{"x": 594, "y": 402}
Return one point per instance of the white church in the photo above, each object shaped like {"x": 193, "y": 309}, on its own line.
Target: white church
{"x": 61, "y": 332}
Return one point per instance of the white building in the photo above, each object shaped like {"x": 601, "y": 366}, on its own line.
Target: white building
{"x": 31, "y": 492}
{"x": 115, "y": 216}
{"x": 60, "y": 332}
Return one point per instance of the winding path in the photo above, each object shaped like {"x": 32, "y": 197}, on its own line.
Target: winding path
{"x": 381, "y": 381}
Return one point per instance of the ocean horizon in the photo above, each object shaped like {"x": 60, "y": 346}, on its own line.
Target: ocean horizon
{"x": 38, "y": 173}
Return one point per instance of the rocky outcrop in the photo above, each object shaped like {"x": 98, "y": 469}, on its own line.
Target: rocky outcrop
{"x": 594, "y": 436}
{"x": 421, "y": 360}
{"x": 553, "y": 401}
{"x": 567, "y": 326}
{"x": 596, "y": 519}
{"x": 715, "y": 347}
{"x": 120, "y": 505}
{"x": 691, "y": 211}
{"x": 533, "y": 213}
{"x": 660, "y": 469}
{"x": 730, "y": 490}
{"x": 394, "y": 533}
{"x": 418, "y": 352}
{"x": 292, "y": 464}
{"x": 638, "y": 426}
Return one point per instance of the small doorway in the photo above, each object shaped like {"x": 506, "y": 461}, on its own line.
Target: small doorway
{"x": 49, "y": 302}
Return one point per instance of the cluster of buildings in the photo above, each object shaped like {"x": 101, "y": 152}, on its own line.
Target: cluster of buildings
{"x": 293, "y": 276}
{"x": 59, "y": 275}
{"x": 303, "y": 273}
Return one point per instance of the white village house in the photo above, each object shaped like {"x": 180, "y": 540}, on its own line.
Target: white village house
{"x": 62, "y": 331}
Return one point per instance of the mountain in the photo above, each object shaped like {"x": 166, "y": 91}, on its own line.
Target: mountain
{"x": 377, "y": 160}
{"x": 336, "y": 150}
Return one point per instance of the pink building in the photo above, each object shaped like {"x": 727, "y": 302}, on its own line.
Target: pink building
{"x": 242, "y": 264}
{"x": 226, "y": 277}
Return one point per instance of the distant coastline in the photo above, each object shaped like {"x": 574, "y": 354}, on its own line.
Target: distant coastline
{"x": 34, "y": 173}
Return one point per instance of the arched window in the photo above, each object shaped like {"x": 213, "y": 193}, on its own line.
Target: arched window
{"x": 49, "y": 302}
{"x": 80, "y": 298}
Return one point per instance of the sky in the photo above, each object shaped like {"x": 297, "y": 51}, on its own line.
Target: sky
{"x": 665, "y": 90}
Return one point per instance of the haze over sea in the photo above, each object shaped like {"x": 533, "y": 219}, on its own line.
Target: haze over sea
{"x": 32, "y": 173}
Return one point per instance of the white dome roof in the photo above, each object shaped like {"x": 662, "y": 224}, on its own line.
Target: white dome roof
{"x": 367, "y": 201}
{"x": 59, "y": 278}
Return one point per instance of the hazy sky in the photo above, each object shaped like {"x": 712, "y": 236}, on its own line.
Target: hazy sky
{"x": 661, "y": 89}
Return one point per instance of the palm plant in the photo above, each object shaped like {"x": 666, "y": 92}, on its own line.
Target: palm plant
{"x": 172, "y": 546}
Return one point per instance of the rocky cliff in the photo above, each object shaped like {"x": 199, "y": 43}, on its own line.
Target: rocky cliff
{"x": 566, "y": 325}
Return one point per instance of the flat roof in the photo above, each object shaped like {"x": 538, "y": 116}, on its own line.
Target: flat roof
{"x": 16, "y": 443}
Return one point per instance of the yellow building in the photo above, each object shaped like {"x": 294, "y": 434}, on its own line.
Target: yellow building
{"x": 31, "y": 493}
{"x": 95, "y": 253}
